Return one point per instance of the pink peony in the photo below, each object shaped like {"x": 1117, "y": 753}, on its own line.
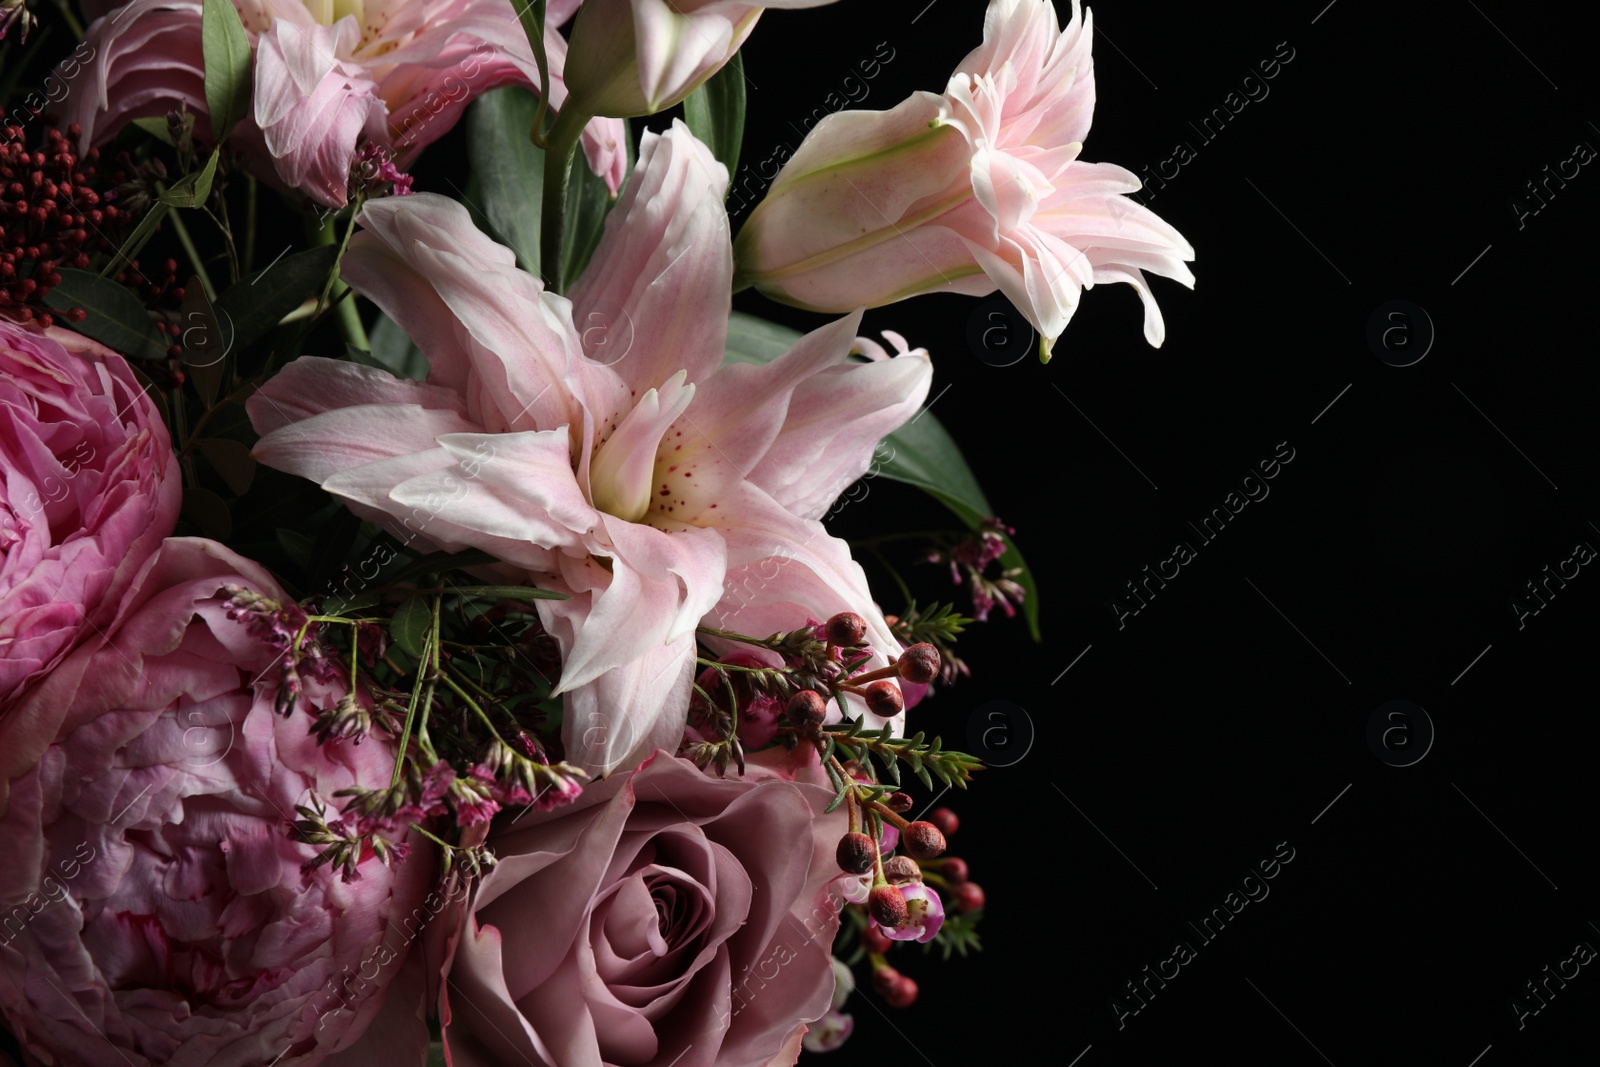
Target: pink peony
{"x": 329, "y": 77}
{"x": 664, "y": 918}
{"x": 156, "y": 909}
{"x": 90, "y": 488}
{"x": 975, "y": 190}
{"x": 599, "y": 444}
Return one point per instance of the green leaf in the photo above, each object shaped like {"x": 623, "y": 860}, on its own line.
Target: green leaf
{"x": 232, "y": 461}
{"x": 920, "y": 453}
{"x": 228, "y": 66}
{"x": 509, "y": 169}
{"x": 410, "y": 624}
{"x": 114, "y": 316}
{"x": 205, "y": 343}
{"x": 156, "y": 126}
{"x": 191, "y": 190}
{"x": 588, "y": 200}
{"x": 392, "y": 351}
{"x": 254, "y": 309}
{"x": 715, "y": 112}
{"x": 506, "y": 592}
{"x": 139, "y": 237}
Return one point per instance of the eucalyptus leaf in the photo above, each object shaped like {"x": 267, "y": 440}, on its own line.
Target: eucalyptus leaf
{"x": 920, "y": 453}
{"x": 226, "y": 50}
{"x": 113, "y": 315}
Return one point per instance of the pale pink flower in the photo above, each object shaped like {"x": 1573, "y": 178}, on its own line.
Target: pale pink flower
{"x": 637, "y": 57}
{"x": 157, "y": 909}
{"x": 329, "y": 76}
{"x": 598, "y": 444}
{"x": 976, "y": 190}
{"x": 88, "y": 488}
{"x": 664, "y": 918}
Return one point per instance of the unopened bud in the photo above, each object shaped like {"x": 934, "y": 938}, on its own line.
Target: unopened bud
{"x": 902, "y": 994}
{"x": 901, "y": 869}
{"x": 875, "y": 940}
{"x": 884, "y": 699}
{"x": 954, "y": 869}
{"x": 945, "y": 820}
{"x": 846, "y": 628}
{"x": 919, "y": 663}
{"x": 887, "y": 905}
{"x": 856, "y": 853}
{"x": 898, "y": 802}
{"x": 923, "y": 840}
{"x": 807, "y": 709}
{"x": 884, "y": 978}
{"x": 968, "y": 896}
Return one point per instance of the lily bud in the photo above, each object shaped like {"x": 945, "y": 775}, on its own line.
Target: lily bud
{"x": 638, "y": 57}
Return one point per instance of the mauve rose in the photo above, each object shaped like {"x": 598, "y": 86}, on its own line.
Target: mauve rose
{"x": 88, "y": 488}
{"x": 665, "y": 917}
{"x": 155, "y": 908}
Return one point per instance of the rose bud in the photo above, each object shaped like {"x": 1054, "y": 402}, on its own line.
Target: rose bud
{"x": 898, "y": 802}
{"x": 902, "y": 993}
{"x": 945, "y": 820}
{"x": 873, "y": 939}
{"x": 954, "y": 869}
{"x": 968, "y": 896}
{"x": 884, "y": 699}
{"x": 846, "y": 628}
{"x": 887, "y": 905}
{"x": 919, "y": 663}
{"x": 856, "y": 853}
{"x": 901, "y": 869}
{"x": 923, "y": 840}
{"x": 807, "y": 709}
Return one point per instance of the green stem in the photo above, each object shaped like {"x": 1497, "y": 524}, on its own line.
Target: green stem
{"x": 561, "y": 147}
{"x": 421, "y": 693}
{"x": 71, "y": 20}
{"x": 345, "y": 310}
{"x": 532, "y": 18}
{"x": 190, "y": 250}
{"x": 249, "y": 222}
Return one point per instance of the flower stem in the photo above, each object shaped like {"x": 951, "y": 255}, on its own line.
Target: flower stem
{"x": 561, "y": 146}
{"x": 345, "y": 309}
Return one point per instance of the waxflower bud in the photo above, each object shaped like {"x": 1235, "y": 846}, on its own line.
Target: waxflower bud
{"x": 807, "y": 709}
{"x": 954, "y": 869}
{"x": 846, "y": 628}
{"x": 884, "y": 978}
{"x": 920, "y": 663}
{"x": 968, "y": 896}
{"x": 856, "y": 853}
{"x": 945, "y": 820}
{"x": 902, "y": 994}
{"x": 923, "y": 840}
{"x": 901, "y": 869}
{"x": 887, "y": 905}
{"x": 875, "y": 940}
{"x": 884, "y": 699}
{"x": 898, "y": 802}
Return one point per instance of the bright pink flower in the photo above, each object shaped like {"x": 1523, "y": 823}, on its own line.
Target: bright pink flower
{"x": 598, "y": 444}
{"x": 88, "y": 488}
{"x": 329, "y": 76}
{"x": 976, "y": 190}
{"x": 154, "y": 897}
{"x": 924, "y": 915}
{"x": 637, "y": 57}
{"x": 665, "y": 917}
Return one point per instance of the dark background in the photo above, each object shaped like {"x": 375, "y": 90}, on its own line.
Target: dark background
{"x": 1182, "y": 747}
{"x": 1155, "y": 760}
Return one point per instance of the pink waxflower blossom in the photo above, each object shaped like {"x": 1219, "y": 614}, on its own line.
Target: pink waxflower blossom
{"x": 155, "y": 896}
{"x": 597, "y": 445}
{"x": 924, "y": 915}
{"x": 637, "y": 57}
{"x": 88, "y": 488}
{"x": 329, "y": 77}
{"x": 664, "y": 917}
{"x": 979, "y": 189}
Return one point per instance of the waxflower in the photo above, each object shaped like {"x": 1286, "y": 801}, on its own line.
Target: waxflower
{"x": 329, "y": 79}
{"x": 975, "y": 190}
{"x": 637, "y": 57}
{"x": 653, "y": 485}
{"x": 924, "y": 914}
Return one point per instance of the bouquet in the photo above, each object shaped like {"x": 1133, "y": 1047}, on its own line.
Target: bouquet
{"x": 421, "y": 635}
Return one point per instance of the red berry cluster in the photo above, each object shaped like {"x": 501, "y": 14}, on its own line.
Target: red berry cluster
{"x": 55, "y": 211}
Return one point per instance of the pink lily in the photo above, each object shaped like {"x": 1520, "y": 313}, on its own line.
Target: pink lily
{"x": 637, "y": 57}
{"x": 976, "y": 190}
{"x": 330, "y": 75}
{"x": 597, "y": 444}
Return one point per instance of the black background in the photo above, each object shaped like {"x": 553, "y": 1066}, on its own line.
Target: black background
{"x": 1164, "y": 755}
{"x": 1183, "y": 747}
